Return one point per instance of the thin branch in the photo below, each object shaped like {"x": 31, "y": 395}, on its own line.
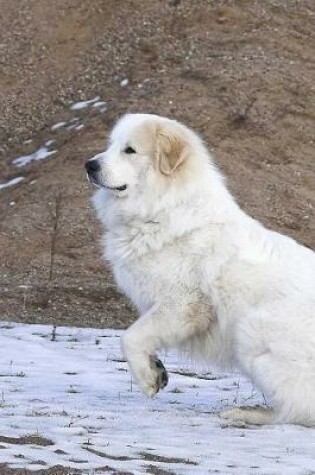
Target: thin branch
{"x": 54, "y": 234}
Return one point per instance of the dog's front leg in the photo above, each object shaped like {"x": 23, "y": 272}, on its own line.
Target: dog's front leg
{"x": 140, "y": 343}
{"x": 162, "y": 327}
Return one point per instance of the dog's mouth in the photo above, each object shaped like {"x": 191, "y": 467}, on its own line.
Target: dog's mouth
{"x": 94, "y": 181}
{"x": 116, "y": 188}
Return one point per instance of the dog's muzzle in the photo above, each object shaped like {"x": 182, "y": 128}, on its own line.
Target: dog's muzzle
{"x": 93, "y": 169}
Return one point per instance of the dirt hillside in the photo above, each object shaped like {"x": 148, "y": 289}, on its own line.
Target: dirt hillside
{"x": 241, "y": 72}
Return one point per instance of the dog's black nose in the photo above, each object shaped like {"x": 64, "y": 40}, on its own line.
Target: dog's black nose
{"x": 92, "y": 166}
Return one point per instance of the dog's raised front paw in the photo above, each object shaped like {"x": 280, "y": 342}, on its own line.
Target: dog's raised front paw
{"x": 161, "y": 373}
{"x": 156, "y": 380}
{"x": 148, "y": 371}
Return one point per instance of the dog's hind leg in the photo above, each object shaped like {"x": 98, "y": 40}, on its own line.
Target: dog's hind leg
{"x": 281, "y": 363}
{"x": 249, "y": 415}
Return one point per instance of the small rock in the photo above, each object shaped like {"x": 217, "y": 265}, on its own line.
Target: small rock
{"x": 124, "y": 82}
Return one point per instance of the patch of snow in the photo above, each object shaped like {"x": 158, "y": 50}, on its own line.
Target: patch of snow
{"x": 71, "y": 127}
{"x": 99, "y": 104}
{"x": 79, "y": 127}
{"x": 77, "y": 392}
{"x": 73, "y": 123}
{"x": 83, "y": 104}
{"x": 59, "y": 125}
{"x": 40, "y": 154}
{"x": 124, "y": 82}
{"x": 12, "y": 182}
{"x": 49, "y": 143}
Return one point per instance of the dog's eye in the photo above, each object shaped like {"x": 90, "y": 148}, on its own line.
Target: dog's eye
{"x": 129, "y": 150}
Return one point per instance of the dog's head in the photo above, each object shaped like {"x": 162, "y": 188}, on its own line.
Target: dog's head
{"x": 145, "y": 152}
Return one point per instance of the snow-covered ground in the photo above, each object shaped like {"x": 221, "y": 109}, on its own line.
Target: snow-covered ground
{"x": 76, "y": 392}
{"x": 12, "y": 182}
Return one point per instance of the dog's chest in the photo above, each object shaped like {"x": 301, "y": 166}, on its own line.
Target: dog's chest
{"x": 149, "y": 271}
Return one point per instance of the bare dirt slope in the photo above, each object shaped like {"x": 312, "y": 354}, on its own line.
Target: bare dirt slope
{"x": 241, "y": 72}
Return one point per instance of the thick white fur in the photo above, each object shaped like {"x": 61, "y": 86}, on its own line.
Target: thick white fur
{"x": 203, "y": 274}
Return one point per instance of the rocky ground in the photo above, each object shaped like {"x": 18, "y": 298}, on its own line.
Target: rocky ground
{"x": 240, "y": 72}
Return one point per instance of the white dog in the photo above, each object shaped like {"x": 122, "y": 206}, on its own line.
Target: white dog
{"x": 203, "y": 274}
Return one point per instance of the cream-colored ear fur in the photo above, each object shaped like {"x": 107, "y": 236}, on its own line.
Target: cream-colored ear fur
{"x": 172, "y": 149}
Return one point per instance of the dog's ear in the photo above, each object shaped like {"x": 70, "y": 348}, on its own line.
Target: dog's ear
{"x": 171, "y": 150}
